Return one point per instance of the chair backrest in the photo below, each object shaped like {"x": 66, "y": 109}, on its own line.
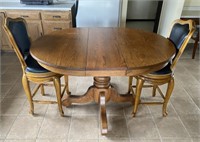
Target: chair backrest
{"x": 180, "y": 35}
{"x": 18, "y": 37}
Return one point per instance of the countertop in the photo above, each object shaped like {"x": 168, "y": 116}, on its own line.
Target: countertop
{"x": 19, "y": 6}
{"x": 190, "y": 13}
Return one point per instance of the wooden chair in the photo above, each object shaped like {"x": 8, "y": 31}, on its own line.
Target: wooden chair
{"x": 195, "y": 37}
{"x": 32, "y": 71}
{"x": 181, "y": 33}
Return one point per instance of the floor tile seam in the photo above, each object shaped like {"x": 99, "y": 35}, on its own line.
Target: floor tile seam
{"x": 160, "y": 137}
{"x": 9, "y": 115}
{"x": 99, "y": 124}
{"x": 177, "y": 138}
{"x": 9, "y": 97}
{"x": 18, "y": 116}
{"x": 7, "y": 83}
{"x": 23, "y": 106}
{"x": 20, "y": 139}
{"x": 185, "y": 90}
{"x": 125, "y": 116}
{"x": 76, "y": 89}
{"x": 178, "y": 116}
{"x": 92, "y": 115}
{"x": 2, "y": 98}
{"x": 144, "y": 139}
{"x": 72, "y": 113}
{"x": 43, "y": 118}
{"x": 11, "y": 127}
{"x": 7, "y": 91}
{"x": 188, "y": 72}
{"x": 85, "y": 114}
{"x": 17, "y": 113}
{"x": 13, "y": 85}
{"x": 146, "y": 117}
{"x": 70, "y": 125}
{"x": 115, "y": 115}
{"x": 191, "y": 98}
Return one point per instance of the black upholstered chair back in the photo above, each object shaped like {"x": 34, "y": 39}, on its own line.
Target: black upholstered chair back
{"x": 20, "y": 35}
{"x": 20, "y": 41}
{"x": 178, "y": 34}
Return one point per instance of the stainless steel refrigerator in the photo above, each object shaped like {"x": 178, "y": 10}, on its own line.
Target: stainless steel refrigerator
{"x": 98, "y": 13}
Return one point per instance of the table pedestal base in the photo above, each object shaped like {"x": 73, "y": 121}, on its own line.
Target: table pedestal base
{"x": 101, "y": 92}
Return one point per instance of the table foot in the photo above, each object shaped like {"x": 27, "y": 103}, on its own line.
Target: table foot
{"x": 86, "y": 98}
{"x": 104, "y": 124}
{"x": 116, "y": 97}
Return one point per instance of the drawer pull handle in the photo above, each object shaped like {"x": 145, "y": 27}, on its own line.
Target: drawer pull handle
{"x": 57, "y": 16}
{"x": 57, "y": 28}
{"x": 24, "y": 16}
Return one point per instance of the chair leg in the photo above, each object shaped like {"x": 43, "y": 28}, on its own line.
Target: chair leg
{"x": 58, "y": 94}
{"x": 138, "y": 91}
{"x": 42, "y": 89}
{"x": 130, "y": 84}
{"x": 170, "y": 88}
{"x": 195, "y": 46}
{"x": 67, "y": 85}
{"x": 27, "y": 90}
{"x": 154, "y": 90}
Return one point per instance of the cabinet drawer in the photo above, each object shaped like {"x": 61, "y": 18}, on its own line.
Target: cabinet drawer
{"x": 56, "y": 15}
{"x": 50, "y": 26}
{"x": 33, "y": 15}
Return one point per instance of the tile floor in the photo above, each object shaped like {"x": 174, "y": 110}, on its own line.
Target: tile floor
{"x": 81, "y": 122}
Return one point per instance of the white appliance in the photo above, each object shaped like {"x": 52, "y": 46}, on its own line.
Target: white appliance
{"x": 98, "y": 13}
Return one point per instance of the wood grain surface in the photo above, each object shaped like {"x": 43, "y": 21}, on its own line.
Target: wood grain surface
{"x": 102, "y": 51}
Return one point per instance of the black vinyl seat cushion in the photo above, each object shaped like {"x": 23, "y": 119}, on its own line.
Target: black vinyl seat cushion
{"x": 33, "y": 66}
{"x": 177, "y": 36}
{"x": 163, "y": 71}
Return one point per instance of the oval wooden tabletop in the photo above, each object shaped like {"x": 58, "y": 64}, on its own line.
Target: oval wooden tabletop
{"x": 102, "y": 51}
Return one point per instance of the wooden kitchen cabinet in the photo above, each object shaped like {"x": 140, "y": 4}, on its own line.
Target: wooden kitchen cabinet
{"x": 34, "y": 29}
{"x": 56, "y": 15}
{"x": 33, "y": 21}
{"x": 56, "y": 20}
{"x": 50, "y": 26}
{"x": 4, "y": 42}
{"x": 38, "y": 23}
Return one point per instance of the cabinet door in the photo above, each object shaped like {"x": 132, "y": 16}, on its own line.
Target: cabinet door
{"x": 4, "y": 42}
{"x": 26, "y": 14}
{"x": 50, "y": 26}
{"x": 56, "y": 16}
{"x": 34, "y": 28}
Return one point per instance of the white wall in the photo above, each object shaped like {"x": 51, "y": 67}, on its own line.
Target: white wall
{"x": 123, "y": 13}
{"x": 171, "y": 11}
{"x": 192, "y": 3}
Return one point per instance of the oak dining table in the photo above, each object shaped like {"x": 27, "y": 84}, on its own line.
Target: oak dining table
{"x": 102, "y": 53}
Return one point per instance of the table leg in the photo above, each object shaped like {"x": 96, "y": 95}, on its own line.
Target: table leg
{"x": 101, "y": 92}
{"x": 104, "y": 124}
